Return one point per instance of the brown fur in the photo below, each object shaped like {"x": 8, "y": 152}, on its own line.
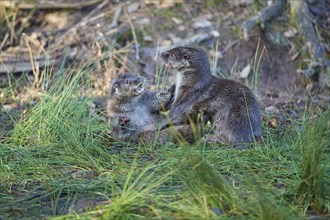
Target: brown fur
{"x": 131, "y": 107}
{"x": 230, "y": 106}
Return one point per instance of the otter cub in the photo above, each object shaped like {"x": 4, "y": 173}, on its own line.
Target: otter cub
{"x": 131, "y": 107}
{"x": 230, "y": 106}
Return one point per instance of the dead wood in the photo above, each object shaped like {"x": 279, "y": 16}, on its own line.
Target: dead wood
{"x": 16, "y": 59}
{"x": 116, "y": 16}
{"x": 263, "y": 17}
{"x": 44, "y": 4}
{"x": 19, "y": 66}
{"x": 319, "y": 66}
{"x": 307, "y": 28}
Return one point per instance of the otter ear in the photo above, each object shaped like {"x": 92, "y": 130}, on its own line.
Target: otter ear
{"x": 186, "y": 56}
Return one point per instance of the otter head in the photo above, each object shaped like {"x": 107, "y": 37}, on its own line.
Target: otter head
{"x": 127, "y": 85}
{"x": 185, "y": 57}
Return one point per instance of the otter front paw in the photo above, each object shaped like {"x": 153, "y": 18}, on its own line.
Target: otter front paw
{"x": 123, "y": 121}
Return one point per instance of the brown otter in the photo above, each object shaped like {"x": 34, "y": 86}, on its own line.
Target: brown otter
{"x": 230, "y": 106}
{"x": 131, "y": 107}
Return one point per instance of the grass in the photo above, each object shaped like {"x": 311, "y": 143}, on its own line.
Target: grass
{"x": 314, "y": 184}
{"x": 57, "y": 163}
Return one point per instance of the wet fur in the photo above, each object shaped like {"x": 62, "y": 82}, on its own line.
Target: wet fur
{"x": 230, "y": 106}
{"x": 129, "y": 112}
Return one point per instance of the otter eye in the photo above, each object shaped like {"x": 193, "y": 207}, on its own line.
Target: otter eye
{"x": 186, "y": 56}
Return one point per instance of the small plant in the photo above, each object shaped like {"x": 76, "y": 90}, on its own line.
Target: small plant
{"x": 314, "y": 182}
{"x": 136, "y": 194}
{"x": 208, "y": 192}
{"x": 255, "y": 68}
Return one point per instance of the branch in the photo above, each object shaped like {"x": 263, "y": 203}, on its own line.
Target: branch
{"x": 307, "y": 29}
{"x": 263, "y": 16}
{"x": 47, "y": 4}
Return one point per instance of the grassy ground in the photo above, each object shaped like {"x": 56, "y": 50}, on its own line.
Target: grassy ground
{"x": 57, "y": 163}
{"x": 56, "y": 160}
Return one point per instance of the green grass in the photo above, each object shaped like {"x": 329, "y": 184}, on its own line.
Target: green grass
{"x": 57, "y": 162}
{"x": 314, "y": 185}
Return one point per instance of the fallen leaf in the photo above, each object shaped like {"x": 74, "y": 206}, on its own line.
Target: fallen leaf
{"x": 177, "y": 20}
{"x": 143, "y": 21}
{"x": 245, "y": 71}
{"x": 273, "y": 123}
{"x": 271, "y": 110}
{"x": 202, "y": 23}
{"x": 215, "y": 34}
{"x": 147, "y": 38}
{"x": 133, "y": 7}
{"x": 290, "y": 33}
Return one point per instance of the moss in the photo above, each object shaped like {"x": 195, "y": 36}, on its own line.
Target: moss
{"x": 168, "y": 13}
{"x": 234, "y": 31}
{"x": 212, "y": 3}
{"x": 128, "y": 36}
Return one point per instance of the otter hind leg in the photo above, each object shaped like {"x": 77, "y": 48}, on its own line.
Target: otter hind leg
{"x": 253, "y": 125}
{"x": 215, "y": 139}
{"x": 175, "y": 134}
{"x": 246, "y": 130}
{"x": 233, "y": 128}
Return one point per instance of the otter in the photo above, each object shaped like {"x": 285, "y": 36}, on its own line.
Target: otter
{"x": 131, "y": 107}
{"x": 231, "y": 107}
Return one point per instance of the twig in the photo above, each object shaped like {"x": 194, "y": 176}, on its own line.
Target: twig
{"x": 187, "y": 9}
{"x": 75, "y": 27}
{"x": 307, "y": 29}
{"x": 4, "y": 41}
{"x": 263, "y": 16}
{"x": 33, "y": 63}
{"x": 115, "y": 19}
{"x": 11, "y": 25}
{"x": 157, "y": 52}
{"x": 25, "y": 65}
{"x": 137, "y": 52}
{"x": 119, "y": 30}
{"x": 47, "y": 4}
{"x": 229, "y": 46}
{"x": 94, "y": 11}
